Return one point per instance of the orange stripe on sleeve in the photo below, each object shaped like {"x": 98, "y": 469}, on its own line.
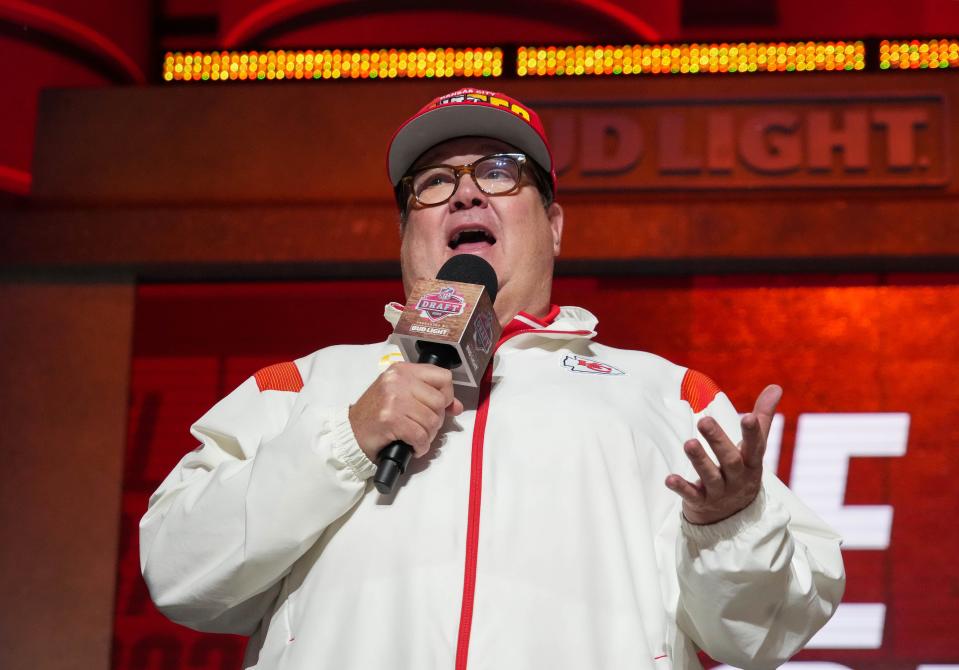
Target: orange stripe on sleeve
{"x": 279, "y": 377}
{"x": 698, "y": 390}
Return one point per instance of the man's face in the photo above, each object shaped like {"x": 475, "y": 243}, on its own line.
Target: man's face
{"x": 514, "y": 233}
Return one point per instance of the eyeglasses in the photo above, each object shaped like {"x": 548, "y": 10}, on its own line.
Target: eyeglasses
{"x": 498, "y": 174}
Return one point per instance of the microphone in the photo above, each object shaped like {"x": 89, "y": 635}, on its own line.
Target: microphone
{"x": 448, "y": 321}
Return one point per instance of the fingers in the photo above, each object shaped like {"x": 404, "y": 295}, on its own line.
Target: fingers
{"x": 716, "y": 479}
{"x": 407, "y": 402}
{"x": 765, "y": 407}
{"x": 436, "y": 390}
{"x": 709, "y": 474}
{"x": 418, "y": 428}
{"x": 733, "y": 483}
{"x": 437, "y": 377}
{"x": 429, "y": 396}
{"x": 687, "y": 490}
{"x": 756, "y": 425}
{"x": 416, "y": 435}
{"x": 754, "y": 441}
{"x": 728, "y": 455}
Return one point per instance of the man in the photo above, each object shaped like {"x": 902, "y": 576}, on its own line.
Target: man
{"x": 565, "y": 515}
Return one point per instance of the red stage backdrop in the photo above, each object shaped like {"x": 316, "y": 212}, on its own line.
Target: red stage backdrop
{"x": 867, "y": 432}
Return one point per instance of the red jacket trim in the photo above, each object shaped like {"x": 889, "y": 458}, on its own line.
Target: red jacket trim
{"x": 698, "y": 390}
{"x": 279, "y": 377}
{"x": 523, "y": 322}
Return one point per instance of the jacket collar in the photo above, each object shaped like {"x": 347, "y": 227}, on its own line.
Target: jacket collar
{"x": 559, "y": 323}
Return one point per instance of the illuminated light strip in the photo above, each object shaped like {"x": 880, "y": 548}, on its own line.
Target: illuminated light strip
{"x": 918, "y": 54}
{"x": 332, "y": 64}
{"x": 690, "y": 58}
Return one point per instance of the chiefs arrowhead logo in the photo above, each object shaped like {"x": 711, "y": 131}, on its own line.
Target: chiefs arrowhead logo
{"x": 589, "y": 366}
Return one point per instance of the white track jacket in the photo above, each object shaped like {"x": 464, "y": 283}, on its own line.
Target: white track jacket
{"x": 537, "y": 533}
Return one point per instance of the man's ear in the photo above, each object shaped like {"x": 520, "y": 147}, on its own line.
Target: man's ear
{"x": 554, "y": 213}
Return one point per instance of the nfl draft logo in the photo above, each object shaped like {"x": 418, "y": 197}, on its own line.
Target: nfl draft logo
{"x": 445, "y": 302}
{"x": 483, "y": 335}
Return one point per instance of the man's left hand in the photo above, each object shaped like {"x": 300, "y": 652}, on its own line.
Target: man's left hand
{"x": 726, "y": 488}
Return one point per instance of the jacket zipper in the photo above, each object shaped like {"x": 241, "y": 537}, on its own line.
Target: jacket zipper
{"x": 472, "y": 521}
{"x": 475, "y": 495}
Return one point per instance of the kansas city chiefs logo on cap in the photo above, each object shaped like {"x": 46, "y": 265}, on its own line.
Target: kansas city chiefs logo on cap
{"x": 488, "y": 98}
{"x": 589, "y": 366}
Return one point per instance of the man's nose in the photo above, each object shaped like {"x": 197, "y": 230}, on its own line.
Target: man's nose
{"x": 467, "y": 195}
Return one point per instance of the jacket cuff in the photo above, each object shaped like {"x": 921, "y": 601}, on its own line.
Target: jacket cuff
{"x": 709, "y": 534}
{"x": 345, "y": 447}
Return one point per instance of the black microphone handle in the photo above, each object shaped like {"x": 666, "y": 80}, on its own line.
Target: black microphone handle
{"x": 391, "y": 463}
{"x": 394, "y": 458}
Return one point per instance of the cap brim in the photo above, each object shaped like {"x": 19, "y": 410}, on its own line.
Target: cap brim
{"x": 462, "y": 120}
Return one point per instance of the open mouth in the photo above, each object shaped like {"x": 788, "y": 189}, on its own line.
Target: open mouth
{"x": 473, "y": 237}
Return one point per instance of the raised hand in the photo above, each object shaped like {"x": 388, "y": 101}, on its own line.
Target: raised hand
{"x": 726, "y": 488}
